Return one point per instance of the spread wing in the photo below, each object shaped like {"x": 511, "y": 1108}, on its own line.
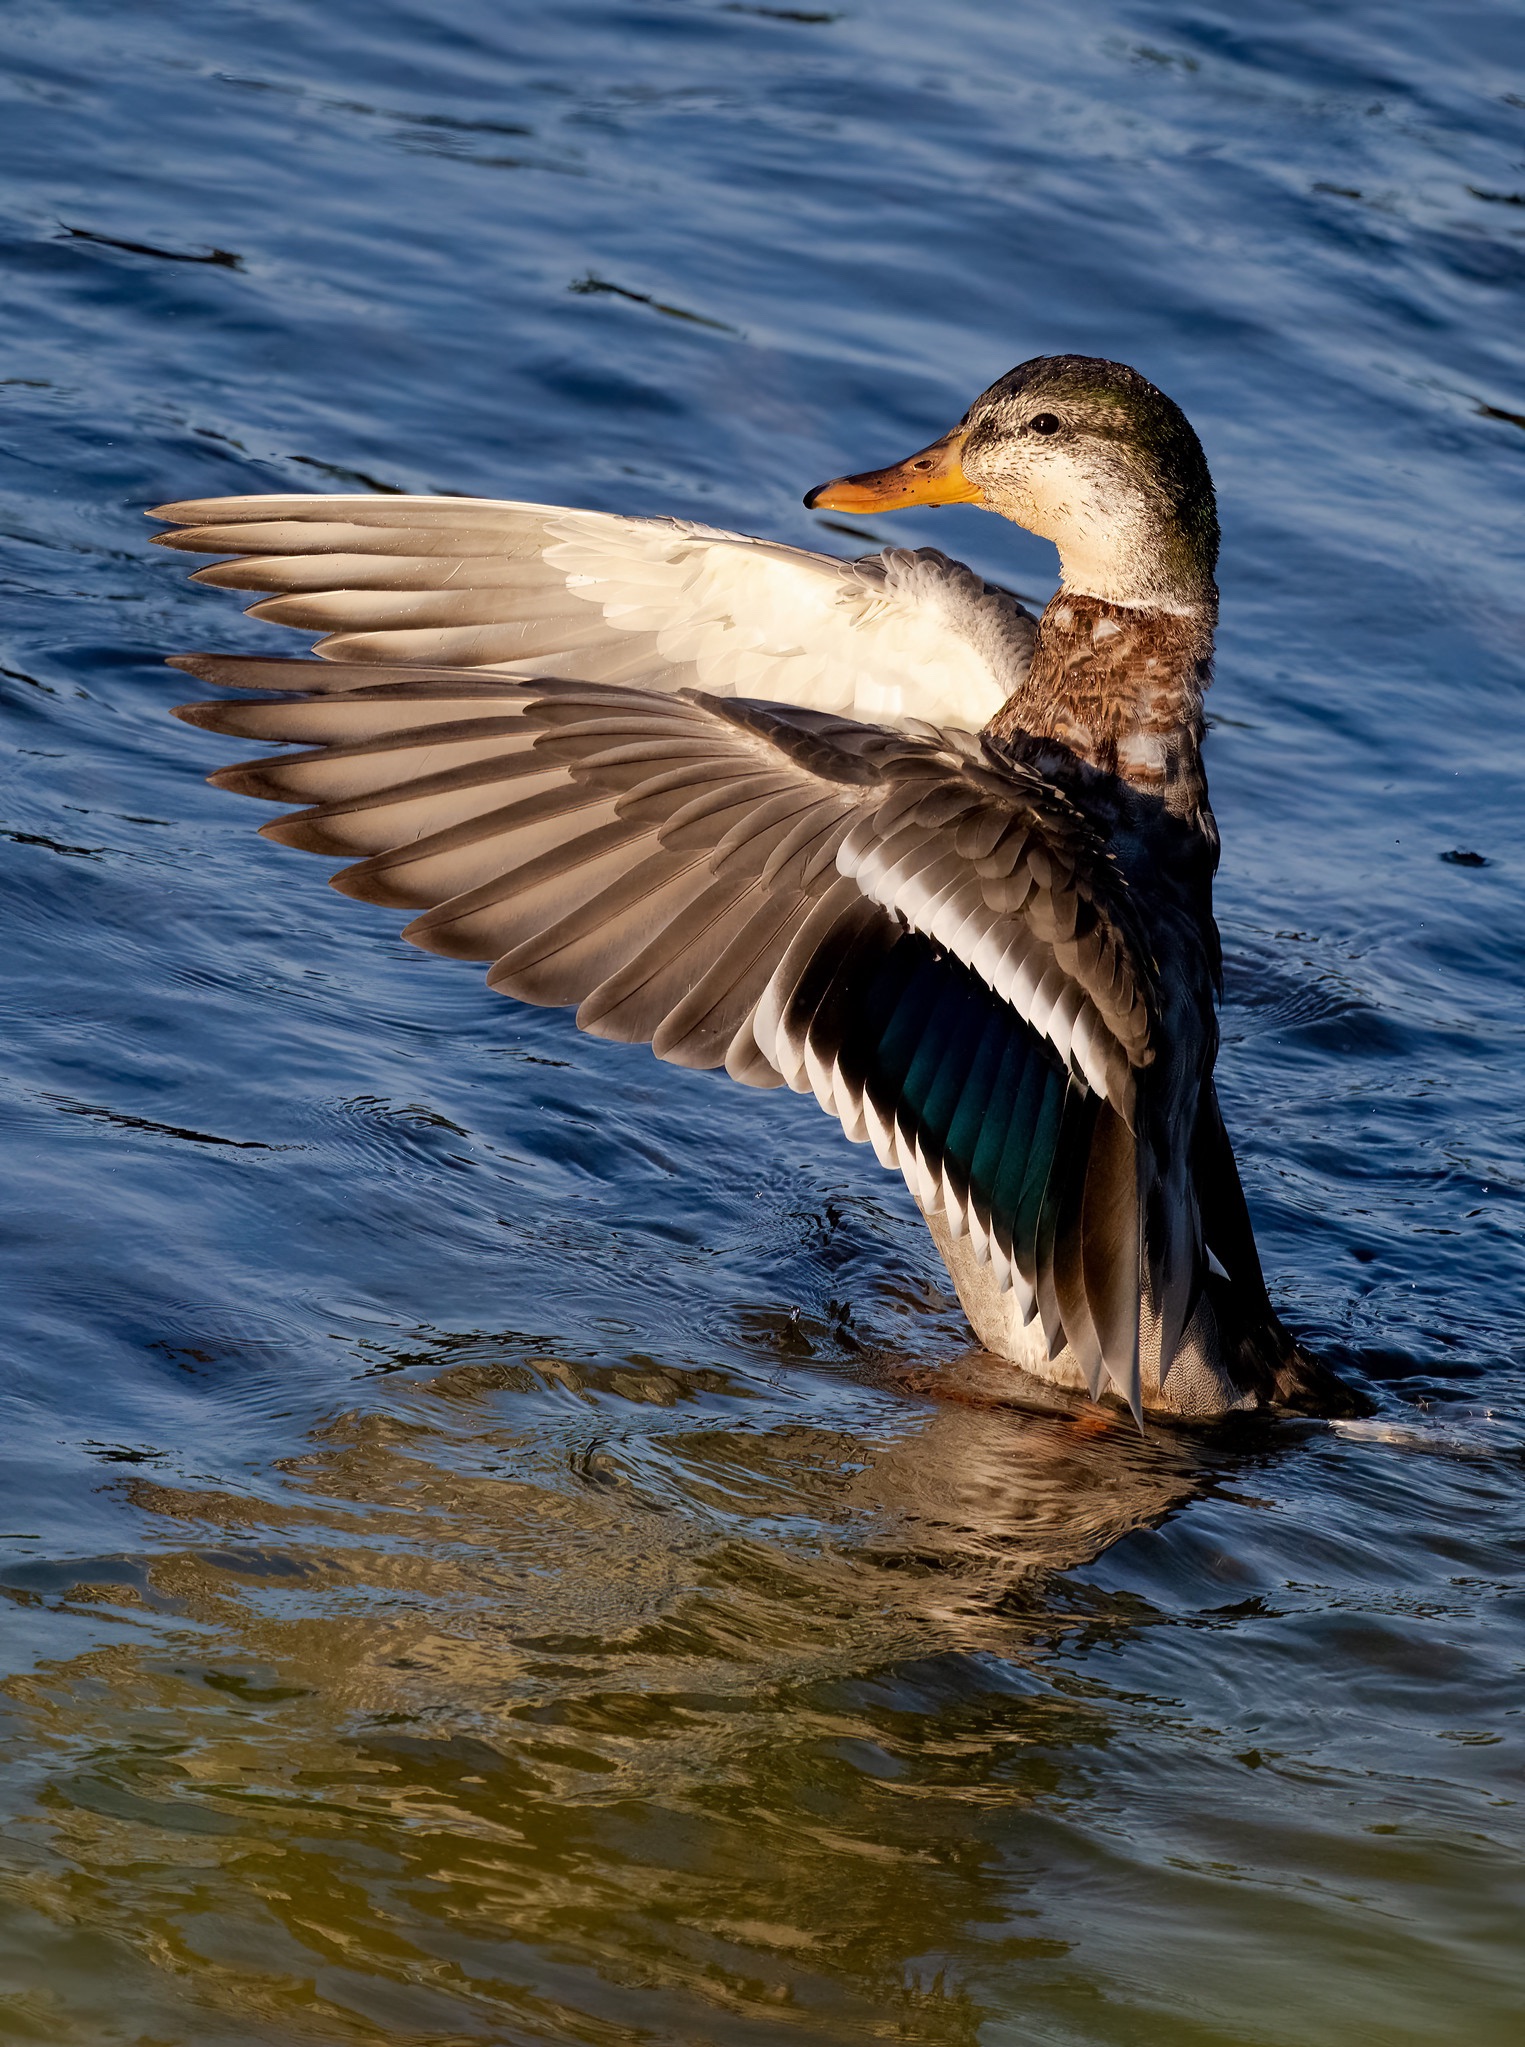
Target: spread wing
{"x": 661, "y": 603}
{"x": 933, "y": 942}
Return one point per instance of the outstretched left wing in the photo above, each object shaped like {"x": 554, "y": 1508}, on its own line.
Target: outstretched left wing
{"x": 931, "y": 940}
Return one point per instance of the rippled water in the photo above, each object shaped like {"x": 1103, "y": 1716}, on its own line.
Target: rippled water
{"x": 501, "y": 1540}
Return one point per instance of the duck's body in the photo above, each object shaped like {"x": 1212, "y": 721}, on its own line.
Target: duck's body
{"x": 865, "y": 828}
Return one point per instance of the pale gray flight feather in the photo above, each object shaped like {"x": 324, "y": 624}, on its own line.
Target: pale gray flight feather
{"x": 680, "y": 866}
{"x": 663, "y": 602}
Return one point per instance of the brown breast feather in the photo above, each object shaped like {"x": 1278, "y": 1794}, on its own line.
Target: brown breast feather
{"x": 1121, "y": 689}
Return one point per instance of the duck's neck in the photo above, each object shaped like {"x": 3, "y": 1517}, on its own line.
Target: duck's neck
{"x": 1120, "y": 686}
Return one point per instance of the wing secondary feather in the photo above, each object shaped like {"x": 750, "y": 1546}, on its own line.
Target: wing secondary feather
{"x": 931, "y": 940}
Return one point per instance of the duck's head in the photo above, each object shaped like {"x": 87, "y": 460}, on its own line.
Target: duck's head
{"x": 1088, "y": 454}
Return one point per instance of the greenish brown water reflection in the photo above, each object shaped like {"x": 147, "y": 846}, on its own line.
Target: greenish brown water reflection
{"x": 571, "y": 1703}
{"x": 471, "y": 1724}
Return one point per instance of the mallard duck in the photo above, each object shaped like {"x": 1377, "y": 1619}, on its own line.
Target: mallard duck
{"x": 867, "y": 829}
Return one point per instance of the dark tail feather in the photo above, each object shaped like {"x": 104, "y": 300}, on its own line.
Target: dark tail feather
{"x": 1259, "y": 1350}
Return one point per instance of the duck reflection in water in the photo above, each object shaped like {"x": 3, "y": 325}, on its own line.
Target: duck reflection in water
{"x": 683, "y": 1542}
{"x": 867, "y": 829}
{"x": 454, "y": 1697}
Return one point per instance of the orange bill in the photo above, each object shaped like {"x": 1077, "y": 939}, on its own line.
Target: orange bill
{"x": 933, "y": 477}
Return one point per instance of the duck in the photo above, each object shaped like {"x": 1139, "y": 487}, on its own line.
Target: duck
{"x": 867, "y": 829}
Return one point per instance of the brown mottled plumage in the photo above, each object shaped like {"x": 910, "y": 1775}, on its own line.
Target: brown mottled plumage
{"x": 1122, "y": 689}
{"x": 864, "y": 829}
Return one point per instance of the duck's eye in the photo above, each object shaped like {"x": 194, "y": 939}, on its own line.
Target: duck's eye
{"x": 1043, "y": 423}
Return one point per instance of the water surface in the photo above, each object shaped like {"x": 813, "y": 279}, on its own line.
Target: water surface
{"x": 499, "y": 1543}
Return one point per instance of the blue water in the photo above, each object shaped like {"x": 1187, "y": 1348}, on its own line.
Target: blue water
{"x": 500, "y": 1540}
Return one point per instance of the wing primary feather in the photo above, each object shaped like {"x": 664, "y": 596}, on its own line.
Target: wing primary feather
{"x": 745, "y": 1061}
{"x": 463, "y": 857}
{"x": 840, "y": 900}
{"x": 698, "y": 1031}
{"x": 633, "y": 1002}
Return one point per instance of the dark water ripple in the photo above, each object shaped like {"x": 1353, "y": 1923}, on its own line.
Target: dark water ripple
{"x": 500, "y": 1540}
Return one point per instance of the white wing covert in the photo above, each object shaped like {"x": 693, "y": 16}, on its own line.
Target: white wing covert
{"x": 661, "y": 603}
